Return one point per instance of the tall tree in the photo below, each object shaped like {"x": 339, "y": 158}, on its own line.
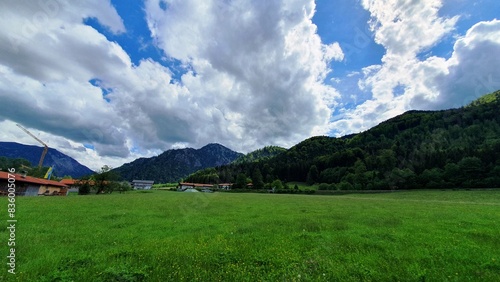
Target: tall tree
{"x": 360, "y": 174}
{"x": 241, "y": 181}
{"x": 105, "y": 180}
{"x": 258, "y": 182}
{"x": 312, "y": 175}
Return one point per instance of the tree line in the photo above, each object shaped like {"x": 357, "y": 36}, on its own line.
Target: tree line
{"x": 104, "y": 181}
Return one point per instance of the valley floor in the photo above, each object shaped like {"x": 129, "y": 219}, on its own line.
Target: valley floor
{"x": 173, "y": 236}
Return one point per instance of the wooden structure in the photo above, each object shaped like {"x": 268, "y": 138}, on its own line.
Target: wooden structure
{"x": 32, "y": 186}
{"x": 142, "y": 184}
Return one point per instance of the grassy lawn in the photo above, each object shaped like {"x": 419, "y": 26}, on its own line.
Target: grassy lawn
{"x": 173, "y": 236}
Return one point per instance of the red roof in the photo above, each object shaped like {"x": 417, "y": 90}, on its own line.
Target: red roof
{"x": 30, "y": 179}
{"x": 196, "y": 184}
{"x": 68, "y": 181}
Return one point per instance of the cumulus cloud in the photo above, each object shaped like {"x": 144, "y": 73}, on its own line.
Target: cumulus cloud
{"x": 472, "y": 70}
{"x": 258, "y": 68}
{"x": 47, "y": 57}
{"x": 405, "y": 27}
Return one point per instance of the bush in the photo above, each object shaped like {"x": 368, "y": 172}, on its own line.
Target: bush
{"x": 344, "y": 185}
{"x": 277, "y": 184}
{"x": 84, "y": 189}
{"x": 323, "y": 186}
{"x": 333, "y": 187}
{"x": 124, "y": 186}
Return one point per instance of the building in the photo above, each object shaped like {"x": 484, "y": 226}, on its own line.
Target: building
{"x": 225, "y": 186}
{"x": 31, "y": 186}
{"x": 72, "y": 184}
{"x": 200, "y": 186}
{"x": 142, "y": 184}
{"x": 185, "y": 185}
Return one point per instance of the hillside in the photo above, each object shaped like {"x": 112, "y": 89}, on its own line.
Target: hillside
{"x": 63, "y": 164}
{"x": 488, "y": 98}
{"x": 260, "y": 154}
{"x": 418, "y": 149}
{"x": 172, "y": 165}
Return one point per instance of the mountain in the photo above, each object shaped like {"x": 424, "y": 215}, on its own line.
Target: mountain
{"x": 418, "y": 149}
{"x": 173, "y": 165}
{"x": 260, "y": 154}
{"x": 63, "y": 164}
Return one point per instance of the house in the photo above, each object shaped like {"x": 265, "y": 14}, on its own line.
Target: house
{"x": 201, "y": 186}
{"x": 31, "y": 186}
{"x": 142, "y": 184}
{"x": 225, "y": 186}
{"x": 184, "y": 185}
{"x": 72, "y": 184}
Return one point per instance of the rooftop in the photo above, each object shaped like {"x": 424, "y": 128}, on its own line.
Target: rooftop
{"x": 30, "y": 179}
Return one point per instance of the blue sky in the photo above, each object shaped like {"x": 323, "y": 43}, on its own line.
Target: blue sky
{"x": 110, "y": 81}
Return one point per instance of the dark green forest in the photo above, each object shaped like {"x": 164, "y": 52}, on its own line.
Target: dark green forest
{"x": 456, "y": 148}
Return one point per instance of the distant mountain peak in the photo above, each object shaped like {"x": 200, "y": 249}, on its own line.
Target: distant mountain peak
{"x": 214, "y": 145}
{"x": 63, "y": 164}
{"x": 174, "y": 164}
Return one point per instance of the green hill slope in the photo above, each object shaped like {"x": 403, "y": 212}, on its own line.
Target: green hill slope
{"x": 260, "y": 154}
{"x": 488, "y": 98}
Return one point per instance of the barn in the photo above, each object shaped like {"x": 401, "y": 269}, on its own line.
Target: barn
{"x": 142, "y": 184}
{"x": 31, "y": 186}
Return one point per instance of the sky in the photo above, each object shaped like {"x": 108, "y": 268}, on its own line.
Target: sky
{"x": 107, "y": 82}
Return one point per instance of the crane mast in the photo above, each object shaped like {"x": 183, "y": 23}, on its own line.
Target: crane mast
{"x": 45, "y": 147}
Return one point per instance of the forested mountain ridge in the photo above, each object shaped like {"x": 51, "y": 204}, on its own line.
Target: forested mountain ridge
{"x": 418, "y": 149}
{"x": 173, "y": 165}
{"x": 261, "y": 154}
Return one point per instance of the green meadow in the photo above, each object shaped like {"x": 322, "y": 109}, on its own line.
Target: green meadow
{"x": 173, "y": 236}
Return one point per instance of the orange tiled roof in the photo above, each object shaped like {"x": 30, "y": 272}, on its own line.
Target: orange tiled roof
{"x": 68, "y": 181}
{"x": 196, "y": 184}
{"x": 30, "y": 179}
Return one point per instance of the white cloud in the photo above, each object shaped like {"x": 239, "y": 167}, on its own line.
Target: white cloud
{"x": 469, "y": 73}
{"x": 259, "y": 68}
{"x": 24, "y": 21}
{"x": 47, "y": 57}
{"x": 472, "y": 70}
{"x": 405, "y": 27}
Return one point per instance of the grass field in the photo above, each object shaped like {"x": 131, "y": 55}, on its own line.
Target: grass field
{"x": 173, "y": 236}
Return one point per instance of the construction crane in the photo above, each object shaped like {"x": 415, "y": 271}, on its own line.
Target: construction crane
{"x": 45, "y": 149}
